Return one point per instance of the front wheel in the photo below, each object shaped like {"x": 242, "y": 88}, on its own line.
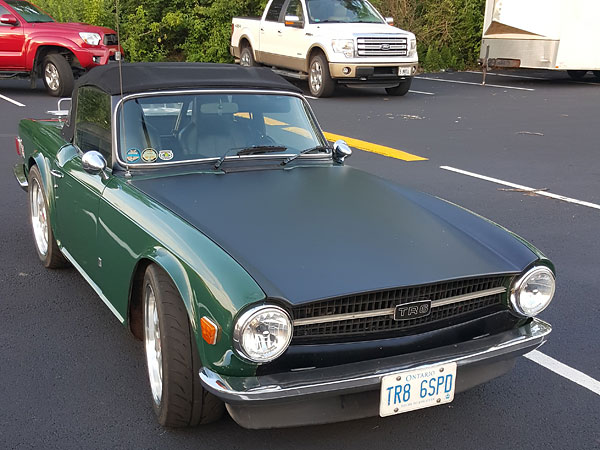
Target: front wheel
{"x": 58, "y": 75}
{"x": 178, "y": 397}
{"x": 401, "y": 89}
{"x": 320, "y": 82}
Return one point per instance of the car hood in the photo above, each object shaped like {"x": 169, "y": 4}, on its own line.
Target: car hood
{"x": 318, "y": 232}
{"x": 345, "y": 29}
{"x": 75, "y": 28}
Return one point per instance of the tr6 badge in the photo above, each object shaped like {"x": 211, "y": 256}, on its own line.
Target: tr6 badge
{"x": 412, "y": 310}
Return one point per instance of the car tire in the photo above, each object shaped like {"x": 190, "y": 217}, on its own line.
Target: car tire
{"x": 401, "y": 89}
{"x": 43, "y": 236}
{"x": 247, "y": 57}
{"x": 576, "y": 74}
{"x": 320, "y": 82}
{"x": 57, "y": 75}
{"x": 178, "y": 398}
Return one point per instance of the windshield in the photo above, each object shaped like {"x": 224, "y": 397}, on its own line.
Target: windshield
{"x": 162, "y": 129}
{"x": 29, "y": 12}
{"x": 342, "y": 11}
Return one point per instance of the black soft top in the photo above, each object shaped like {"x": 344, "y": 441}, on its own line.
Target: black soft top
{"x": 147, "y": 77}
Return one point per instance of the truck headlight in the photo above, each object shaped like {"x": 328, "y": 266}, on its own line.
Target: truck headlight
{"x": 345, "y": 46}
{"x": 90, "y": 38}
{"x": 413, "y": 47}
{"x": 262, "y": 333}
{"x": 532, "y": 293}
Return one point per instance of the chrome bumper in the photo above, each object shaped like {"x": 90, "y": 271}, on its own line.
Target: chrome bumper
{"x": 366, "y": 375}
{"x": 19, "y": 171}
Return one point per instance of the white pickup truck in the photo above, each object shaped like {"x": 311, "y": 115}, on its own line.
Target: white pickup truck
{"x": 327, "y": 42}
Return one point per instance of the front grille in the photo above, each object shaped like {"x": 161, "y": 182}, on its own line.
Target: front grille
{"x": 384, "y": 325}
{"x": 110, "y": 39}
{"x": 382, "y": 46}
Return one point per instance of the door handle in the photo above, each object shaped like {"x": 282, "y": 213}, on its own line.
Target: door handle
{"x": 56, "y": 173}
{"x": 308, "y": 34}
{"x": 262, "y": 29}
{"x": 279, "y": 31}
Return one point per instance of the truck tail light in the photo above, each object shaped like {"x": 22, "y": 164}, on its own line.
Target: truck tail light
{"x": 20, "y": 148}
{"x": 232, "y": 27}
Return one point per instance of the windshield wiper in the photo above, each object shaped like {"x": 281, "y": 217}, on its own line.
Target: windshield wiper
{"x": 257, "y": 149}
{"x": 304, "y": 152}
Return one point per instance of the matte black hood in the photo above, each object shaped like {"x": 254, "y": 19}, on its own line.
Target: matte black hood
{"x": 317, "y": 232}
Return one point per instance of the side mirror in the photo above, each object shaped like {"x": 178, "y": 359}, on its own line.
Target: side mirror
{"x": 93, "y": 162}
{"x": 389, "y": 20}
{"x": 341, "y": 151}
{"x": 293, "y": 21}
{"x": 9, "y": 19}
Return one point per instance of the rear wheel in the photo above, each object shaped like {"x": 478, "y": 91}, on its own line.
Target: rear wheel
{"x": 401, "y": 89}
{"x": 247, "y": 57}
{"x": 576, "y": 74}
{"x": 58, "y": 75}
{"x": 320, "y": 82}
{"x": 43, "y": 237}
{"x": 178, "y": 397}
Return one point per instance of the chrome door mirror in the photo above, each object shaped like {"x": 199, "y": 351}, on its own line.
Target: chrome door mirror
{"x": 341, "y": 151}
{"x": 293, "y": 21}
{"x": 389, "y": 20}
{"x": 93, "y": 162}
{"x": 9, "y": 19}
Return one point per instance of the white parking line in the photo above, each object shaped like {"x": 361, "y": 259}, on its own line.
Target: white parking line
{"x": 475, "y": 84}
{"x": 3, "y": 97}
{"x": 565, "y": 371}
{"x": 523, "y": 188}
{"x": 421, "y": 92}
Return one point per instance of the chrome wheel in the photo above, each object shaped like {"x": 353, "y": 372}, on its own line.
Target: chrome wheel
{"x": 245, "y": 58}
{"x": 316, "y": 76}
{"x": 153, "y": 344}
{"x": 52, "y": 77}
{"x": 39, "y": 218}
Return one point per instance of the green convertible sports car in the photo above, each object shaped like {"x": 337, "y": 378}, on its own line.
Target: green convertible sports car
{"x": 207, "y": 210}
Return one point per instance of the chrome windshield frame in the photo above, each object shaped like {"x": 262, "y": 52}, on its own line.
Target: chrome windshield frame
{"x": 122, "y": 164}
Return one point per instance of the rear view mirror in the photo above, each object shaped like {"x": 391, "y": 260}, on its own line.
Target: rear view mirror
{"x": 294, "y": 21}
{"x": 93, "y": 162}
{"x": 9, "y": 19}
{"x": 341, "y": 151}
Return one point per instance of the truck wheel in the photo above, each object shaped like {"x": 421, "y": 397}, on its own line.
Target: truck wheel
{"x": 401, "y": 89}
{"x": 58, "y": 75}
{"x": 247, "y": 57}
{"x": 576, "y": 74}
{"x": 179, "y": 399}
{"x": 43, "y": 237}
{"x": 320, "y": 82}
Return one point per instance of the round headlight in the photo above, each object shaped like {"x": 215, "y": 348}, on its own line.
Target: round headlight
{"x": 262, "y": 333}
{"x": 532, "y": 293}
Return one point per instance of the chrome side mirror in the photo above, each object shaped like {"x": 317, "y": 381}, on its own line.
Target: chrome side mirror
{"x": 341, "y": 151}
{"x": 389, "y": 20}
{"x": 93, "y": 162}
{"x": 293, "y": 21}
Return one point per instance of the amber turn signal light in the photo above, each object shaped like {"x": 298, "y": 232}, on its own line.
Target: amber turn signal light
{"x": 210, "y": 330}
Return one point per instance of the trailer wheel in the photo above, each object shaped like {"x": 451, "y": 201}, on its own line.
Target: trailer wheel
{"x": 576, "y": 74}
{"x": 58, "y": 75}
{"x": 597, "y": 73}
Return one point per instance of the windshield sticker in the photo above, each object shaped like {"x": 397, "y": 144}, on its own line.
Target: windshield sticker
{"x": 149, "y": 155}
{"x": 133, "y": 155}
{"x": 166, "y": 155}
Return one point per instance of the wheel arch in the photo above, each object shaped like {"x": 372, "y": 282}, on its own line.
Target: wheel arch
{"x": 246, "y": 41}
{"x": 315, "y": 48}
{"x": 43, "y": 50}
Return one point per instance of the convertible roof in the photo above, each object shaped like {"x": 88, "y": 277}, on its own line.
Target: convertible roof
{"x": 148, "y": 77}
{"x": 142, "y": 77}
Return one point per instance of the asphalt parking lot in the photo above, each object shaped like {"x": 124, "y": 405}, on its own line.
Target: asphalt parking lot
{"x": 73, "y": 377}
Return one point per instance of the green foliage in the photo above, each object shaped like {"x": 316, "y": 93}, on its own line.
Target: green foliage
{"x": 448, "y": 31}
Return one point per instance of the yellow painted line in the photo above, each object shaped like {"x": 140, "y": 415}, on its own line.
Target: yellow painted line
{"x": 374, "y": 148}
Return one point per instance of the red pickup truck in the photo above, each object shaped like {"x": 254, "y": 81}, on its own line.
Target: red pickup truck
{"x": 33, "y": 45}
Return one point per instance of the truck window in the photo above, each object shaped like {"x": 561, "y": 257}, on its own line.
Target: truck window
{"x": 92, "y": 124}
{"x": 274, "y": 11}
{"x": 342, "y": 11}
{"x": 295, "y": 9}
{"x": 29, "y": 12}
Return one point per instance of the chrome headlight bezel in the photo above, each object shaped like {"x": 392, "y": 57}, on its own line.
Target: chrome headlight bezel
{"x": 517, "y": 290}
{"x": 246, "y": 318}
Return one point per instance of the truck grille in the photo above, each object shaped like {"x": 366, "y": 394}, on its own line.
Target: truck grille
{"x": 382, "y": 46}
{"x": 370, "y": 315}
{"x": 110, "y": 39}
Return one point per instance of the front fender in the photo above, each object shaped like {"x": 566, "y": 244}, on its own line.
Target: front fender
{"x": 51, "y": 41}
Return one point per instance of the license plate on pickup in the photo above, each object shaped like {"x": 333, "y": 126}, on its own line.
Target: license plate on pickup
{"x": 404, "y": 71}
{"x": 417, "y": 388}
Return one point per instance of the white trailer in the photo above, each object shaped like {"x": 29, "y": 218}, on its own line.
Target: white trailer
{"x": 542, "y": 34}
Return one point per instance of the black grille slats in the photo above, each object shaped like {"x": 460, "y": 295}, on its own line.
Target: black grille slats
{"x": 357, "y": 328}
{"x": 110, "y": 39}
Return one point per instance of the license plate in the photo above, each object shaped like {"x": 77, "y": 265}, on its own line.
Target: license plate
{"x": 418, "y": 388}
{"x": 404, "y": 71}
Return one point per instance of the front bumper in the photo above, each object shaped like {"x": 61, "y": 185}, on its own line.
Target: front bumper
{"x": 369, "y": 72}
{"x": 19, "y": 171}
{"x": 351, "y": 391}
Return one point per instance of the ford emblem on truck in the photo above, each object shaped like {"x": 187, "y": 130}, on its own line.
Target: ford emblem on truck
{"x": 412, "y": 310}
{"x": 385, "y": 46}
